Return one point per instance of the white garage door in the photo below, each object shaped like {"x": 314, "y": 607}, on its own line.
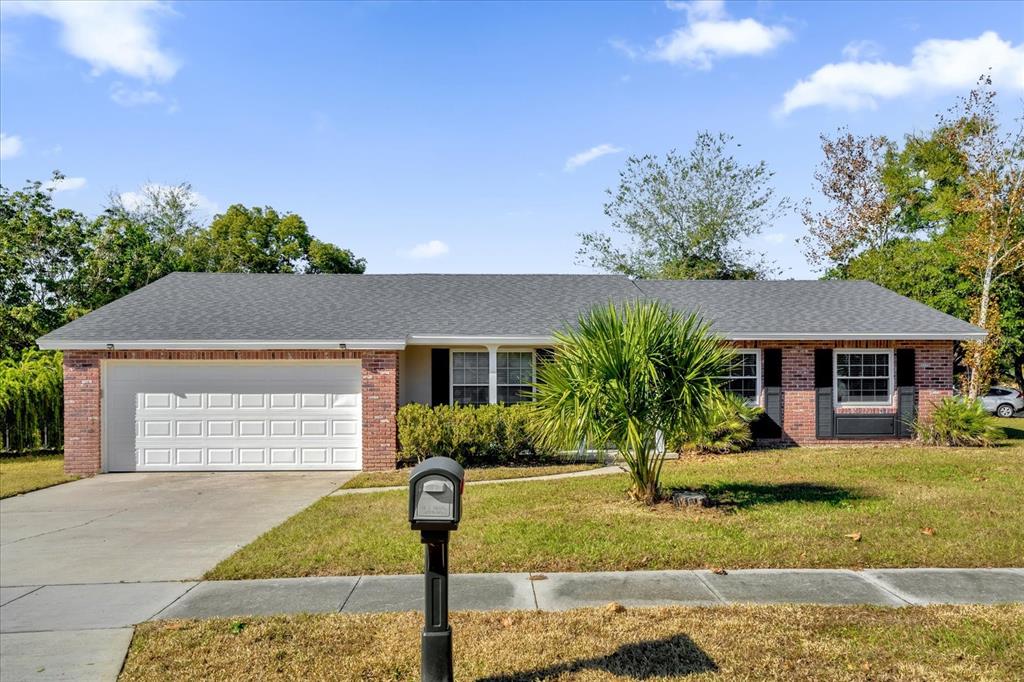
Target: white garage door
{"x": 232, "y": 416}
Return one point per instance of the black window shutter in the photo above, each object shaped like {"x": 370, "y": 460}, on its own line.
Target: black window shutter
{"x": 823, "y": 368}
{"x": 823, "y": 411}
{"x": 772, "y": 358}
{"x": 769, "y": 424}
{"x": 543, "y": 354}
{"x": 905, "y": 371}
{"x": 439, "y": 376}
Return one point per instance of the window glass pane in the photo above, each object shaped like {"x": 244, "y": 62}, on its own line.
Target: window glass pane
{"x": 742, "y": 376}
{"x": 862, "y": 378}
{"x": 469, "y": 395}
{"x": 514, "y": 394}
{"x": 515, "y": 374}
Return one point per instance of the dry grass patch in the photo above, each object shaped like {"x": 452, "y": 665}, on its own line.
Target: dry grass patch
{"x": 782, "y": 509}
{"x": 381, "y": 479}
{"x": 22, "y": 474}
{"x": 796, "y": 643}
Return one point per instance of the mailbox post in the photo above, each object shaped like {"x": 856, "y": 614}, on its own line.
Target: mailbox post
{"x": 435, "y": 508}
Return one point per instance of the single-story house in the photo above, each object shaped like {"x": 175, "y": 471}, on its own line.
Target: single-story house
{"x": 278, "y": 372}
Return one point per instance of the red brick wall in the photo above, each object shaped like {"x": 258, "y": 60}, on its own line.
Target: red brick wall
{"x": 380, "y": 410}
{"x": 81, "y": 413}
{"x": 933, "y": 361}
{"x": 82, "y": 399}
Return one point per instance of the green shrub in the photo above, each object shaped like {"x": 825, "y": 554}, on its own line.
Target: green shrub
{"x": 472, "y": 435}
{"x": 958, "y": 423}
{"x": 727, "y": 428}
{"x": 420, "y": 431}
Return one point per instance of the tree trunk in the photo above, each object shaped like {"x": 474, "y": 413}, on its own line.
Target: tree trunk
{"x": 1018, "y": 372}
{"x": 974, "y": 382}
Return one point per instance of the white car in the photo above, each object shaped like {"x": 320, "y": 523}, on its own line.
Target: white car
{"x": 1003, "y": 401}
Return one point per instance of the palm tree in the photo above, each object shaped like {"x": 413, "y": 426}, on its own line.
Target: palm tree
{"x": 624, "y": 376}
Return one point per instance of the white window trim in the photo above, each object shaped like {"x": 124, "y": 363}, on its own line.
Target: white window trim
{"x": 492, "y": 371}
{"x": 533, "y": 366}
{"x": 451, "y": 373}
{"x": 863, "y": 351}
{"x": 758, "y": 384}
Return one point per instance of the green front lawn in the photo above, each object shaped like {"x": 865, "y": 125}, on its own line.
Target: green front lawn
{"x": 779, "y": 642}
{"x": 22, "y": 474}
{"x": 381, "y": 479}
{"x": 911, "y": 506}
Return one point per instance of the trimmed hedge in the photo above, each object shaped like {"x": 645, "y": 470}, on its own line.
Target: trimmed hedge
{"x": 471, "y": 435}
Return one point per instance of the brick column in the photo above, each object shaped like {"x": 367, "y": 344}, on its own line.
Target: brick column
{"x": 81, "y": 413}
{"x": 380, "y": 409}
{"x": 933, "y": 361}
{"x": 798, "y": 394}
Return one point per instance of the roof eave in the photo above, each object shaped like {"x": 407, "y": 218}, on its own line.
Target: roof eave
{"x": 467, "y": 340}
{"x": 157, "y": 344}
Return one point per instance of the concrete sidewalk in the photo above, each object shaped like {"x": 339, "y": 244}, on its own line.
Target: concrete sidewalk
{"x": 83, "y": 631}
{"x": 117, "y": 605}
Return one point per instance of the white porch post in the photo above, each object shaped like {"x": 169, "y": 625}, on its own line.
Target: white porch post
{"x": 492, "y": 374}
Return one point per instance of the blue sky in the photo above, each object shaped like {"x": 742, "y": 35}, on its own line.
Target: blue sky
{"x": 437, "y": 137}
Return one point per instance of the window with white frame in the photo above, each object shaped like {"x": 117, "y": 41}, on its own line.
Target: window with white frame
{"x": 863, "y": 377}
{"x": 743, "y": 376}
{"x": 515, "y": 374}
{"x": 470, "y": 382}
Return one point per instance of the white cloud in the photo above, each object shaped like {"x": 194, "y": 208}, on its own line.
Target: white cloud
{"x": 65, "y": 184}
{"x": 135, "y": 200}
{"x": 936, "y": 65}
{"x": 134, "y": 97}
{"x": 10, "y": 146}
{"x": 710, "y": 34}
{"x": 431, "y": 249}
{"x": 116, "y": 36}
{"x": 774, "y": 237}
{"x": 583, "y": 158}
{"x": 862, "y": 49}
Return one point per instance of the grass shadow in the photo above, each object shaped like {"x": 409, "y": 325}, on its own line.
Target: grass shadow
{"x": 744, "y": 495}
{"x": 1013, "y": 433}
{"x": 676, "y": 655}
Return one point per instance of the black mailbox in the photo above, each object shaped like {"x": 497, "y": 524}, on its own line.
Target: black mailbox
{"x": 435, "y": 508}
{"x": 435, "y": 494}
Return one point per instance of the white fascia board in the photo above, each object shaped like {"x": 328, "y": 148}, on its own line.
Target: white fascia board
{"x": 340, "y": 344}
{"x": 761, "y": 336}
{"x": 425, "y": 340}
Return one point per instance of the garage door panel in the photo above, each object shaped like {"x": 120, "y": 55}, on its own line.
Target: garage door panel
{"x": 168, "y": 416}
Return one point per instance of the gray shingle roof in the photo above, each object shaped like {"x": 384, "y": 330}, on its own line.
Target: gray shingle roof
{"x": 208, "y": 307}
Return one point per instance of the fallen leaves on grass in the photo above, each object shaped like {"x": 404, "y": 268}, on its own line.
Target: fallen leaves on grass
{"x": 928, "y": 530}
{"x": 853, "y": 536}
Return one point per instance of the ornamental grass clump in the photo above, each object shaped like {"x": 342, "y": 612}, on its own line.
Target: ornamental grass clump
{"x": 958, "y": 423}
{"x": 625, "y": 376}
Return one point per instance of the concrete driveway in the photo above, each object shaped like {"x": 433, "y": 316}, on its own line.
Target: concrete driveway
{"x": 81, "y": 563}
{"x": 145, "y": 527}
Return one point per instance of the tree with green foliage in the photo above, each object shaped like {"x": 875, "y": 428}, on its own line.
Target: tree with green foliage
{"x": 31, "y": 401}
{"x": 42, "y": 250}
{"x": 937, "y": 219}
{"x": 686, "y": 216}
{"x": 244, "y": 239}
{"x": 625, "y": 376}
{"x": 139, "y": 241}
